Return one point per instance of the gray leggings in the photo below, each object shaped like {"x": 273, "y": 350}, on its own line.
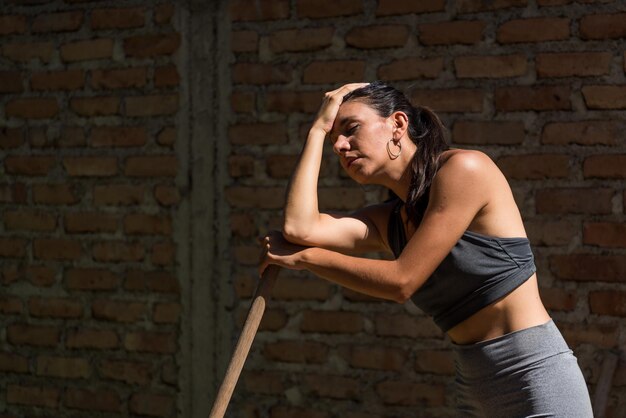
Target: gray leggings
{"x": 527, "y": 373}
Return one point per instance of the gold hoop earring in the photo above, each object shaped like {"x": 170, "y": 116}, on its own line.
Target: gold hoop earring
{"x": 392, "y": 155}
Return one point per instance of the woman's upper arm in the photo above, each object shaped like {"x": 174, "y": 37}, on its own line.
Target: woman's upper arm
{"x": 360, "y": 231}
{"x": 458, "y": 192}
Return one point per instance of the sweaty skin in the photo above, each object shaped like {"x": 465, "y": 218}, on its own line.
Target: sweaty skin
{"x": 468, "y": 193}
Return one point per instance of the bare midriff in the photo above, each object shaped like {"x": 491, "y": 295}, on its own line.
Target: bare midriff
{"x": 520, "y": 309}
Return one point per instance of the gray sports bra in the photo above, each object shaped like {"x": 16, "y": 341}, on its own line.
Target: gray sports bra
{"x": 479, "y": 270}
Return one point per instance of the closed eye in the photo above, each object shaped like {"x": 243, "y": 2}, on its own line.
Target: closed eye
{"x": 352, "y": 129}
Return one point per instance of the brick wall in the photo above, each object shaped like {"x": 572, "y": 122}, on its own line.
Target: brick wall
{"x": 538, "y": 85}
{"x": 111, "y": 304}
{"x": 90, "y": 297}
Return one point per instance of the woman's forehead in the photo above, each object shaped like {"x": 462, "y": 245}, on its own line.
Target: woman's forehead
{"x": 356, "y": 110}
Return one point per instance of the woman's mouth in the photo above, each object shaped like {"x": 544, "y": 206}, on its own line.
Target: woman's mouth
{"x": 351, "y": 160}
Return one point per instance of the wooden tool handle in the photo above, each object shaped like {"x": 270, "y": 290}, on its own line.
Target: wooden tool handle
{"x": 255, "y": 314}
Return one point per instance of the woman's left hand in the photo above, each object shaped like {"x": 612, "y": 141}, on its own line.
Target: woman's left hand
{"x": 277, "y": 250}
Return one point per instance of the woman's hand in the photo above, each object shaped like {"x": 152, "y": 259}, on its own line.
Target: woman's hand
{"x": 330, "y": 106}
{"x": 277, "y": 250}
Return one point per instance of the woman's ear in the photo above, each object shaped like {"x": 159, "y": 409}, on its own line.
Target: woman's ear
{"x": 400, "y": 123}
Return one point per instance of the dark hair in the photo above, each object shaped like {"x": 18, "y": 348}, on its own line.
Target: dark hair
{"x": 425, "y": 130}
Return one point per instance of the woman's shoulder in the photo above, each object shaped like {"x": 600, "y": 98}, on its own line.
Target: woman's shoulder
{"x": 458, "y": 159}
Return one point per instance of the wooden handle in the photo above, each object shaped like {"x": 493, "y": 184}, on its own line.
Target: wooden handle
{"x": 255, "y": 314}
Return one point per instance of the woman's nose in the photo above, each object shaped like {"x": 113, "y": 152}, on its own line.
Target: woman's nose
{"x": 341, "y": 144}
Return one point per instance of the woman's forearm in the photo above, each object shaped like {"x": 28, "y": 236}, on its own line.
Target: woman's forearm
{"x": 378, "y": 278}
{"x": 301, "y": 205}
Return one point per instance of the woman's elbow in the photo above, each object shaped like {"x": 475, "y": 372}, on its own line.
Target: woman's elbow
{"x": 294, "y": 234}
{"x": 404, "y": 291}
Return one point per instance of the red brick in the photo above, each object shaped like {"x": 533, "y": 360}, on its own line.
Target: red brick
{"x": 317, "y": 9}
{"x": 33, "y": 396}
{"x": 326, "y": 72}
{"x": 278, "y": 411}
{"x": 605, "y": 166}
{"x": 519, "y": 98}
{"x": 167, "y": 136}
{"x": 55, "y": 308}
{"x": 118, "y": 78}
{"x": 90, "y": 222}
{"x": 374, "y": 357}
{"x": 29, "y": 165}
{"x": 471, "y": 6}
{"x": 551, "y": 233}
{"x": 488, "y": 133}
{"x": 95, "y": 106}
{"x": 63, "y": 367}
{"x": 335, "y": 387}
{"x": 11, "y": 82}
{"x": 251, "y": 10}
{"x": 58, "y": 22}
{"x": 118, "y": 195}
{"x": 574, "y": 200}
{"x": 152, "y": 105}
{"x": 13, "y": 363}
{"x": 264, "y": 382}
{"x": 87, "y": 50}
{"x": 341, "y": 198}
{"x": 27, "y": 51}
{"x": 93, "y": 400}
{"x": 241, "y": 165}
{"x": 610, "y": 302}
{"x": 573, "y": 64}
{"x": 40, "y": 276}
{"x": 495, "y": 66}
{"x": 153, "y": 342}
{"x": 273, "y": 319}
{"x": 258, "y": 133}
{"x": 125, "y": 18}
{"x": 56, "y": 194}
{"x": 29, "y": 220}
{"x": 540, "y": 29}
{"x": 163, "y": 253}
{"x": 331, "y": 322}
{"x": 146, "y": 46}
{"x": 581, "y": 133}
{"x": 605, "y": 97}
{"x": 403, "y": 7}
{"x": 402, "y": 325}
{"x": 246, "y": 255}
{"x": 459, "y": 32}
{"x": 163, "y": 13}
{"x": 301, "y": 40}
{"x": 259, "y": 198}
{"x": 92, "y": 338}
{"x": 243, "y": 225}
{"x": 9, "y": 306}
{"x": 166, "y": 313}
{"x": 605, "y": 234}
{"x": 282, "y": 166}
{"x": 294, "y": 288}
{"x": 129, "y": 372}
{"x": 293, "y": 101}
{"x": 589, "y": 267}
{"x": 32, "y": 108}
{"x": 254, "y": 73}
{"x": 378, "y": 36}
{"x": 144, "y": 224}
{"x": 36, "y": 335}
{"x": 12, "y": 247}
{"x": 156, "y": 281}
{"x": 598, "y": 335}
{"x": 453, "y": 100}
{"x": 603, "y": 26}
{"x": 296, "y": 352}
{"x": 56, "y": 249}
{"x": 90, "y": 279}
{"x": 151, "y": 166}
{"x": 117, "y": 251}
{"x": 244, "y": 41}
{"x": 167, "y": 195}
{"x": 395, "y": 392}
{"x": 118, "y": 136}
{"x": 118, "y": 311}
{"x": 534, "y": 166}
{"x": 11, "y": 138}
{"x": 411, "y": 68}
{"x": 58, "y": 80}
{"x": 435, "y": 361}
{"x": 13, "y": 193}
{"x": 90, "y": 166}
{"x": 71, "y": 136}
{"x": 166, "y": 76}
{"x": 558, "y": 299}
{"x": 10, "y": 24}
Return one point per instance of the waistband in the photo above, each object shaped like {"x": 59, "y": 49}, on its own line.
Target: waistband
{"x": 510, "y": 352}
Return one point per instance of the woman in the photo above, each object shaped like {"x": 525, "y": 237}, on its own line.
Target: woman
{"x": 461, "y": 252}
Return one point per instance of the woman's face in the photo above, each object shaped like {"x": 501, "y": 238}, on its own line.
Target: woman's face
{"x": 359, "y": 137}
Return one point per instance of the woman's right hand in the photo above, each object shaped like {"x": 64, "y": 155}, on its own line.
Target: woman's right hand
{"x": 330, "y": 106}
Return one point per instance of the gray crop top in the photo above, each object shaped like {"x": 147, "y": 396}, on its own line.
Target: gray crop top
{"x": 479, "y": 270}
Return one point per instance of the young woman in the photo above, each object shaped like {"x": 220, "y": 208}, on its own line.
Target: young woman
{"x": 461, "y": 252}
